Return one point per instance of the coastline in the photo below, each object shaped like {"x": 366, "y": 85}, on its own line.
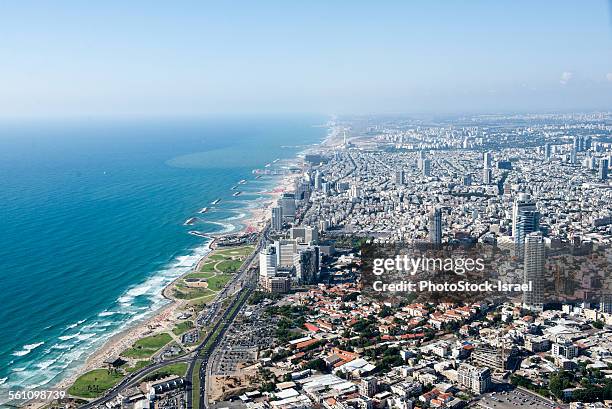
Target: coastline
{"x": 164, "y": 318}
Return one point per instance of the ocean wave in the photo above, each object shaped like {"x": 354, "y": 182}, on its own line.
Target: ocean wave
{"x": 3, "y": 380}
{"x": 72, "y": 348}
{"x": 240, "y": 215}
{"x": 227, "y": 227}
{"x": 76, "y": 324}
{"x": 46, "y": 364}
{"x": 107, "y": 313}
{"x": 26, "y": 349}
{"x": 62, "y": 346}
{"x": 83, "y": 337}
{"x": 67, "y": 337}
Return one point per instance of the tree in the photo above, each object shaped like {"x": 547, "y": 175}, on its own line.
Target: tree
{"x": 317, "y": 364}
{"x": 559, "y": 381}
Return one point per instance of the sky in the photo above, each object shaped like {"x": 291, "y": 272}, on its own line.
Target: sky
{"x": 156, "y": 58}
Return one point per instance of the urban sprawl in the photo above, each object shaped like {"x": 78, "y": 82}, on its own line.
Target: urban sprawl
{"x": 297, "y": 330}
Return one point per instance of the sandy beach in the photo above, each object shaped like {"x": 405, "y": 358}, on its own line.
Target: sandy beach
{"x": 164, "y": 319}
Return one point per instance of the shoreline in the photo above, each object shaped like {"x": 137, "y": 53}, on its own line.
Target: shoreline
{"x": 164, "y": 318}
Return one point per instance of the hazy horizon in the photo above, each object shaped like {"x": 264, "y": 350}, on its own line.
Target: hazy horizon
{"x": 72, "y": 59}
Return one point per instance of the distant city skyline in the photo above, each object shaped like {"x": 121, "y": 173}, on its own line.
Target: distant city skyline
{"x": 268, "y": 57}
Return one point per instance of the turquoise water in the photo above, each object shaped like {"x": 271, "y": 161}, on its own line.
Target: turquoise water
{"x": 91, "y": 223}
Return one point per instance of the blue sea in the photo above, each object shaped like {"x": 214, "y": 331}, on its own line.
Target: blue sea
{"x": 91, "y": 223}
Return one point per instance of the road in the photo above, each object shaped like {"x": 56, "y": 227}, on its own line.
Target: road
{"x": 244, "y": 282}
{"x": 237, "y": 286}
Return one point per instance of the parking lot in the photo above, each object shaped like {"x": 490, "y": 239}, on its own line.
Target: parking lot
{"x": 516, "y": 398}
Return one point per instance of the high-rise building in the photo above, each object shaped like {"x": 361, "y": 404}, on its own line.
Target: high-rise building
{"x": 487, "y": 160}
{"x": 318, "y": 180}
{"x": 603, "y": 169}
{"x": 286, "y": 249}
{"x": 355, "y": 192}
{"x": 533, "y": 273}
{"x": 304, "y": 234}
{"x": 525, "y": 219}
{"x": 306, "y": 263}
{"x": 547, "y": 151}
{"x": 302, "y": 190}
{"x": 487, "y": 176}
{"x": 578, "y": 143}
{"x": 435, "y": 226}
{"x": 605, "y": 303}
{"x": 426, "y": 163}
{"x": 277, "y": 218}
{"x": 478, "y": 380}
{"x": 399, "y": 178}
{"x": 267, "y": 262}
{"x": 573, "y": 156}
{"x": 287, "y": 203}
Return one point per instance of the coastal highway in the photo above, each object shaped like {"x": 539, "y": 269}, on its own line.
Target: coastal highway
{"x": 246, "y": 280}
{"x": 208, "y": 344}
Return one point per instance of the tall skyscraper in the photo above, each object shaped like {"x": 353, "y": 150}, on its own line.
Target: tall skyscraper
{"x": 277, "y": 218}
{"x": 435, "y": 226}
{"x": 487, "y": 173}
{"x": 287, "y": 203}
{"x": 267, "y": 262}
{"x": 547, "y": 151}
{"x": 426, "y": 163}
{"x": 533, "y": 272}
{"x": 487, "y": 176}
{"x": 578, "y": 143}
{"x": 399, "y": 177}
{"x": 603, "y": 169}
{"x": 487, "y": 160}
{"x": 306, "y": 263}
{"x": 286, "y": 249}
{"x": 318, "y": 180}
{"x": 525, "y": 219}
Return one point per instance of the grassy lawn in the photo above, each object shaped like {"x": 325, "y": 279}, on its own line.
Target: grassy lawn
{"x": 195, "y": 384}
{"x": 200, "y": 275}
{"x": 218, "y": 282}
{"x": 182, "y": 327}
{"x": 229, "y": 266}
{"x": 191, "y": 293}
{"x": 178, "y": 369}
{"x": 94, "y": 383}
{"x": 201, "y": 302}
{"x": 216, "y": 257}
{"x": 237, "y": 251}
{"x": 145, "y": 347}
{"x": 208, "y": 266}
